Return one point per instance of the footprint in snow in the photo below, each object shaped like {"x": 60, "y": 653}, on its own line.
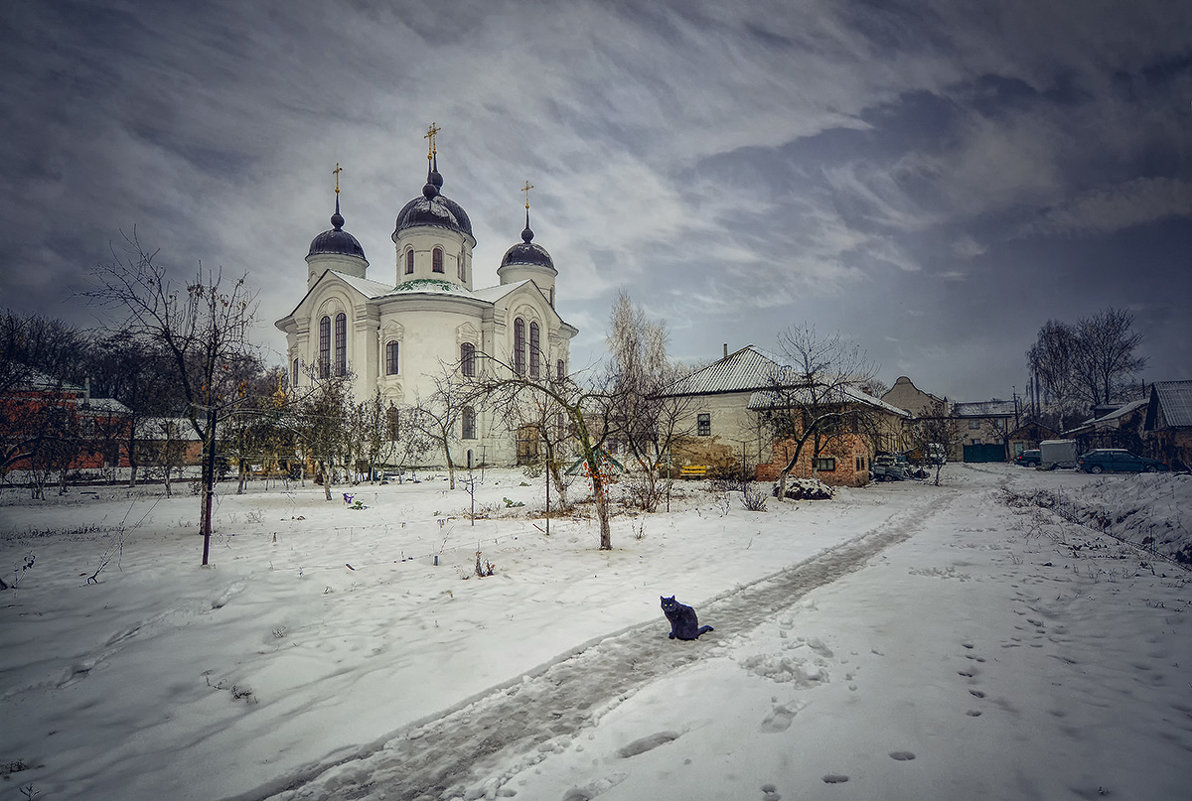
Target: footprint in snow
{"x": 902, "y": 756}
{"x": 647, "y": 743}
{"x": 778, "y": 720}
{"x": 770, "y": 793}
{"x": 835, "y": 778}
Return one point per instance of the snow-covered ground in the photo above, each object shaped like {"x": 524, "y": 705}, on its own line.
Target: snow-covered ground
{"x": 899, "y": 641}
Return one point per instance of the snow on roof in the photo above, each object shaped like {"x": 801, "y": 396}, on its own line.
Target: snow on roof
{"x": 370, "y": 289}
{"x": 34, "y": 380}
{"x": 1175, "y": 398}
{"x": 989, "y": 408}
{"x": 106, "y": 405}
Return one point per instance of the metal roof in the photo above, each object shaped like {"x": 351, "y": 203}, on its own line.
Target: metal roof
{"x": 756, "y": 371}
{"x": 1175, "y": 399}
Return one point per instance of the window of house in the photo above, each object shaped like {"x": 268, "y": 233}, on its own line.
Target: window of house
{"x": 703, "y": 425}
{"x": 859, "y": 463}
{"x": 409, "y": 262}
{"x": 824, "y": 464}
{"x": 391, "y": 362}
{"x": 519, "y": 346}
{"x": 294, "y": 373}
{"x": 974, "y": 424}
{"x": 560, "y": 370}
{"x": 535, "y": 355}
{"x": 341, "y": 344}
{"x": 436, "y": 260}
{"x": 467, "y": 359}
{"x": 325, "y": 347}
{"x": 468, "y": 423}
{"x": 459, "y": 265}
{"x": 552, "y": 297}
{"x": 391, "y": 423}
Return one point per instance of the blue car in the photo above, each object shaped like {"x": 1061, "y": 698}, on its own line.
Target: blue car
{"x": 1117, "y": 460}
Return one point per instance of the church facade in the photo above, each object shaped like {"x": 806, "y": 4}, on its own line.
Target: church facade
{"x": 399, "y": 330}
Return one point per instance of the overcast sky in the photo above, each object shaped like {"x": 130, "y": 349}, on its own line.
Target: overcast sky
{"x": 933, "y": 178}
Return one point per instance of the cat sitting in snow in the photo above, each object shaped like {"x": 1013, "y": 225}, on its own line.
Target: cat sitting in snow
{"x": 684, "y": 623}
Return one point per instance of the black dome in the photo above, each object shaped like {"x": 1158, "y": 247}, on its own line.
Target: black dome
{"x": 436, "y": 210}
{"x": 433, "y": 208}
{"x": 526, "y": 252}
{"x": 337, "y": 240}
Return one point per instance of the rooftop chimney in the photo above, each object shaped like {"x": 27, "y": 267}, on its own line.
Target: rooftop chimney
{"x": 726, "y": 350}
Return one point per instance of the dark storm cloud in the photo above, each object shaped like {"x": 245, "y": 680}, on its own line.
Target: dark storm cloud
{"x": 932, "y": 179}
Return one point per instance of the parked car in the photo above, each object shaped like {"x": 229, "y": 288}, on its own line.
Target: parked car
{"x": 1117, "y": 460}
{"x": 1029, "y": 458}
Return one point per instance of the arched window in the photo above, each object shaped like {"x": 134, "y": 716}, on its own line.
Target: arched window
{"x": 436, "y": 260}
{"x": 535, "y": 355}
{"x": 391, "y": 357}
{"x": 560, "y": 370}
{"x": 341, "y": 344}
{"x": 325, "y": 347}
{"x": 552, "y": 297}
{"x": 467, "y": 359}
{"x": 468, "y": 423}
{"x": 459, "y": 264}
{"x": 409, "y": 262}
{"x": 519, "y": 346}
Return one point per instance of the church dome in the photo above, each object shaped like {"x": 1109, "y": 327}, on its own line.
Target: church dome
{"x": 526, "y": 252}
{"x": 336, "y": 241}
{"x": 433, "y": 208}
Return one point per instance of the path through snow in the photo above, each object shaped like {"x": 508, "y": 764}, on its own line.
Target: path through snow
{"x": 519, "y": 723}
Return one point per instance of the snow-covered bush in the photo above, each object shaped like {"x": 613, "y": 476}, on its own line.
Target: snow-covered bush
{"x": 805, "y": 489}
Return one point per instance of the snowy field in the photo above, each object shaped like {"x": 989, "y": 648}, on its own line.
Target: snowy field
{"x": 901, "y": 641}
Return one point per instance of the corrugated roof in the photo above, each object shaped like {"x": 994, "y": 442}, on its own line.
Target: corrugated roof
{"x": 752, "y": 369}
{"x": 1175, "y": 398}
{"x": 742, "y": 371}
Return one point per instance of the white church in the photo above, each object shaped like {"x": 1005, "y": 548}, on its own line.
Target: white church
{"x": 398, "y": 331}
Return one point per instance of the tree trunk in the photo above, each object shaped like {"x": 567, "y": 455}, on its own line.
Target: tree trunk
{"x": 208, "y": 493}
{"x": 600, "y": 496}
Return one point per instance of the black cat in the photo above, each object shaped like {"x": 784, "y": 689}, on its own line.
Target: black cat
{"x": 684, "y": 623}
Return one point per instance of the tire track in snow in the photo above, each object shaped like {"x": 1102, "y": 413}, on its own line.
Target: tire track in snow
{"x": 454, "y": 753}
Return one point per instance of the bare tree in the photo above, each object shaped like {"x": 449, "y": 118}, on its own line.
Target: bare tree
{"x": 1106, "y": 360}
{"x": 934, "y": 435}
{"x": 1087, "y": 364}
{"x": 437, "y": 417}
{"x": 1052, "y": 358}
{"x": 646, "y": 419}
{"x": 202, "y": 326}
{"x": 136, "y": 371}
{"x": 320, "y": 419}
{"x": 517, "y": 395}
{"x": 38, "y": 356}
{"x": 813, "y": 399}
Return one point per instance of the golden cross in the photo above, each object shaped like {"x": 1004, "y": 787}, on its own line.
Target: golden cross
{"x": 527, "y": 189}
{"x": 430, "y": 135}
{"x": 338, "y": 169}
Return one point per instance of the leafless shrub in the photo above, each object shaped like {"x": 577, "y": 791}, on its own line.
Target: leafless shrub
{"x": 753, "y": 497}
